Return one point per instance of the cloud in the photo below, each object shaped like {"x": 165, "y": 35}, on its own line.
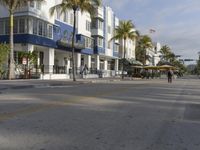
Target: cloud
{"x": 119, "y": 5}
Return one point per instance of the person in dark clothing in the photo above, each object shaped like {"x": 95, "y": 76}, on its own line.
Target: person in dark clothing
{"x": 169, "y": 76}
{"x": 85, "y": 69}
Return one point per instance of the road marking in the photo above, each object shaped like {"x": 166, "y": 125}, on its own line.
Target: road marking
{"x": 52, "y": 86}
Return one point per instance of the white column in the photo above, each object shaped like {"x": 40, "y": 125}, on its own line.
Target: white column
{"x": 116, "y": 64}
{"x": 78, "y": 60}
{"x": 68, "y": 65}
{"x": 30, "y": 26}
{"x": 38, "y": 58}
{"x": 97, "y": 62}
{"x": 49, "y": 60}
{"x": 87, "y": 59}
{"x": 30, "y": 47}
{"x": 105, "y": 64}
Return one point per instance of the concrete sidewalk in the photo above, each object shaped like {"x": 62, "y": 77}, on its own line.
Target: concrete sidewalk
{"x": 15, "y": 84}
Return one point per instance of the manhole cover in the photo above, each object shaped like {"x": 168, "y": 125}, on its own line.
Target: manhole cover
{"x": 192, "y": 112}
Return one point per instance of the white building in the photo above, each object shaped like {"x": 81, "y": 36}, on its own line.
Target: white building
{"x": 50, "y": 37}
{"x": 130, "y": 49}
{"x": 153, "y": 54}
{"x": 157, "y": 56}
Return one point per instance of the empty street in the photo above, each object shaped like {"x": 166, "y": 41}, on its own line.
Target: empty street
{"x": 100, "y": 115}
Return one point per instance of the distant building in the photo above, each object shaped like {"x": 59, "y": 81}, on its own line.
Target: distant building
{"x": 153, "y": 54}
{"x": 130, "y": 48}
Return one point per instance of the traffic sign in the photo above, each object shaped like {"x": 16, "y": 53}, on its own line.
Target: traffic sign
{"x": 24, "y": 61}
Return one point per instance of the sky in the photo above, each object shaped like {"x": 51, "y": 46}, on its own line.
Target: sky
{"x": 177, "y": 22}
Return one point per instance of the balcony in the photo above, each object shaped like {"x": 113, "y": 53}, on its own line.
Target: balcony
{"x": 99, "y": 13}
{"x": 98, "y": 32}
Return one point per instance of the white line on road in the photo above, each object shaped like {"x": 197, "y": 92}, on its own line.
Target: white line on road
{"x": 52, "y": 86}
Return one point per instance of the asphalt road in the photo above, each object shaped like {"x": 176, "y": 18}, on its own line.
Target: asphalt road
{"x": 118, "y": 115}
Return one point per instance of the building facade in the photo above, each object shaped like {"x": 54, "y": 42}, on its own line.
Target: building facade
{"x": 153, "y": 54}
{"x": 50, "y": 37}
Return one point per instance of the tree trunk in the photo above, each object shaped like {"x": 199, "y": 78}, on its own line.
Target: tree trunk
{"x": 145, "y": 56}
{"x": 123, "y": 65}
{"x": 73, "y": 48}
{"x": 11, "y": 58}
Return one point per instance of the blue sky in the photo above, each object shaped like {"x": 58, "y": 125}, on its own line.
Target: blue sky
{"x": 177, "y": 22}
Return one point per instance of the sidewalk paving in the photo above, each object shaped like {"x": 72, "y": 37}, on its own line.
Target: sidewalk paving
{"x": 31, "y": 83}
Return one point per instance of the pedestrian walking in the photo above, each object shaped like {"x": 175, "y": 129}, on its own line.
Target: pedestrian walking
{"x": 81, "y": 71}
{"x": 169, "y": 75}
{"x": 85, "y": 69}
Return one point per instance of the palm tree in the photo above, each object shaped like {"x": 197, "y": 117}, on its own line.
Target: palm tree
{"x": 165, "y": 51}
{"x": 167, "y": 54}
{"x": 76, "y": 5}
{"x": 144, "y": 42}
{"x": 12, "y": 5}
{"x": 123, "y": 32}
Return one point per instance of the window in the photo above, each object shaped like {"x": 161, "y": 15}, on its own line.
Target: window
{"x": 34, "y": 26}
{"x": 27, "y": 20}
{"x": 116, "y": 48}
{"x": 94, "y": 22}
{"x": 6, "y": 27}
{"x": 100, "y": 25}
{"x": 38, "y": 5}
{"x": 41, "y": 55}
{"x": 88, "y": 42}
{"x": 40, "y": 27}
{"x": 101, "y": 64}
{"x": 1, "y": 27}
{"x": 32, "y": 4}
{"x": 93, "y": 63}
{"x": 109, "y": 65}
{"x": 100, "y": 42}
{"x": 22, "y": 25}
{"x": 71, "y": 19}
{"x": 44, "y": 28}
{"x": 15, "y": 28}
{"x": 50, "y": 31}
{"x": 88, "y": 25}
{"x": 65, "y": 18}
